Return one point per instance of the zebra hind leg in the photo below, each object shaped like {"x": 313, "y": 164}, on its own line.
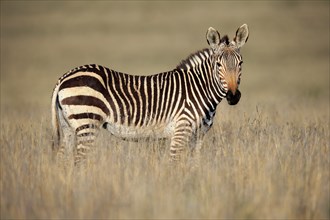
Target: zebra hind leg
{"x": 85, "y": 136}
{"x": 63, "y": 148}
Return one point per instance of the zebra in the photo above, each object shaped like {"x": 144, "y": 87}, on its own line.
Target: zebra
{"x": 179, "y": 104}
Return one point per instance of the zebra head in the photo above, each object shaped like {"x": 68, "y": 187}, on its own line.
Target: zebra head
{"x": 227, "y": 61}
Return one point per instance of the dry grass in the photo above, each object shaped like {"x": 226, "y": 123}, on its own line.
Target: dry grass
{"x": 267, "y": 157}
{"x": 255, "y": 165}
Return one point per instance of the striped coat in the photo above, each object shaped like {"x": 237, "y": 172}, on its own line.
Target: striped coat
{"x": 178, "y": 104}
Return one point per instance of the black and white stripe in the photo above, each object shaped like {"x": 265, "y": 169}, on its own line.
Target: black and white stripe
{"x": 178, "y": 104}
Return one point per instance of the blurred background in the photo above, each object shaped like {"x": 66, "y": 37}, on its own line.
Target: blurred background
{"x": 266, "y": 157}
{"x": 286, "y": 59}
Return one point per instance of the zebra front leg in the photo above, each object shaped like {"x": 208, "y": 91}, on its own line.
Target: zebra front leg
{"x": 85, "y": 136}
{"x": 180, "y": 141}
{"x": 196, "y": 151}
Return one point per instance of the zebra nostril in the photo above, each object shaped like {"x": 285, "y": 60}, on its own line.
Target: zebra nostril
{"x": 238, "y": 94}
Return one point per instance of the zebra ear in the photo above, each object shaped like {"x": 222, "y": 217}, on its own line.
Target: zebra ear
{"x": 213, "y": 38}
{"x": 242, "y": 35}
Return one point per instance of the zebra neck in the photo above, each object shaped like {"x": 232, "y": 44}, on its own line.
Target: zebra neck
{"x": 198, "y": 68}
{"x": 203, "y": 88}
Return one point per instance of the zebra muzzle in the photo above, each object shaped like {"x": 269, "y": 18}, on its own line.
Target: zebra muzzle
{"x": 232, "y": 98}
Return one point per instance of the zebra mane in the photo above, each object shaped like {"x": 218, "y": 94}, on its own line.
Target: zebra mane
{"x": 195, "y": 59}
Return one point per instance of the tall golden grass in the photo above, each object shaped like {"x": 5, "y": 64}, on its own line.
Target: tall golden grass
{"x": 255, "y": 164}
{"x": 267, "y": 157}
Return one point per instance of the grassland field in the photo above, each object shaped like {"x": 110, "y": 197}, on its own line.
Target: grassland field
{"x": 266, "y": 158}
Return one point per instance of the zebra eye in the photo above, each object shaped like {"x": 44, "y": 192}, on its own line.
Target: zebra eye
{"x": 240, "y": 65}
{"x": 218, "y": 64}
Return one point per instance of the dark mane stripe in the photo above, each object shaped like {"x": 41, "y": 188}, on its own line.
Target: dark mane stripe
{"x": 201, "y": 54}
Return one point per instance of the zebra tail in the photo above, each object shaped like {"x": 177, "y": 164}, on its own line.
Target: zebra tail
{"x": 55, "y": 120}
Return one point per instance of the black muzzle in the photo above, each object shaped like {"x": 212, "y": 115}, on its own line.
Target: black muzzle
{"x": 233, "y": 99}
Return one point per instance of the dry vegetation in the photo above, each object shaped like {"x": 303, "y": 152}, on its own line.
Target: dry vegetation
{"x": 256, "y": 163}
{"x": 267, "y": 157}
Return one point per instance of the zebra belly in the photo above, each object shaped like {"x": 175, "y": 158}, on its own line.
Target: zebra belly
{"x": 133, "y": 133}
